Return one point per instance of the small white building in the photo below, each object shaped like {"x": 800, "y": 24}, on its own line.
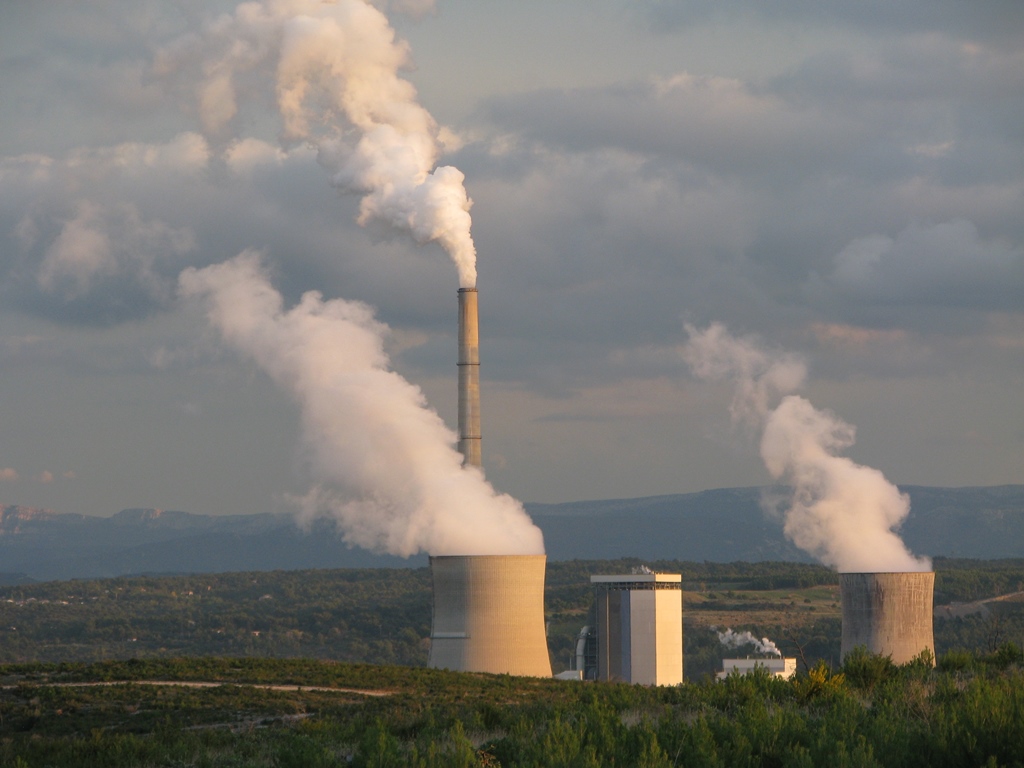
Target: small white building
{"x": 778, "y": 666}
{"x": 640, "y": 628}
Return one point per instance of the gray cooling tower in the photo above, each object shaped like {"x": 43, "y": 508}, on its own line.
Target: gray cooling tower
{"x": 469, "y": 377}
{"x": 889, "y": 613}
{"x": 489, "y": 614}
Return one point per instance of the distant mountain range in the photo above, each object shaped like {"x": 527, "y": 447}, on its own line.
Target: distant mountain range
{"x": 720, "y": 525}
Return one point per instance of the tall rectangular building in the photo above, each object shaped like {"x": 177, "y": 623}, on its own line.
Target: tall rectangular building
{"x": 640, "y": 628}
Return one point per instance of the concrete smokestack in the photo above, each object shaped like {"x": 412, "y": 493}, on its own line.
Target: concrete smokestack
{"x": 469, "y": 377}
{"x": 889, "y": 613}
{"x": 489, "y": 614}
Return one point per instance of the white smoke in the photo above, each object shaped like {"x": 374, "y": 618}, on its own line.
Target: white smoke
{"x": 385, "y": 464}
{"x": 840, "y": 512}
{"x": 333, "y": 71}
{"x": 732, "y": 639}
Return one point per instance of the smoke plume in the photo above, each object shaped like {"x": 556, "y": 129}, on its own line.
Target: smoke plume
{"x": 333, "y": 71}
{"x": 385, "y": 464}
{"x": 840, "y": 512}
{"x": 732, "y": 639}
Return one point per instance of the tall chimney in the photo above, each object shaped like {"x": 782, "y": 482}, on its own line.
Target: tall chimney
{"x": 469, "y": 377}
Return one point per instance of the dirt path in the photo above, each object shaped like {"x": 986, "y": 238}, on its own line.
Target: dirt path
{"x": 205, "y": 684}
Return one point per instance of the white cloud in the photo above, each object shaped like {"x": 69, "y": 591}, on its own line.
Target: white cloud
{"x": 187, "y": 152}
{"x": 102, "y": 242}
{"x": 945, "y": 263}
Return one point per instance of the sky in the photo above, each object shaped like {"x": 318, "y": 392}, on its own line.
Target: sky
{"x": 843, "y": 182}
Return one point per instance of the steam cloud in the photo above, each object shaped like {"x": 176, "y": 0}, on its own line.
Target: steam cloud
{"x": 333, "y": 68}
{"x": 385, "y": 463}
{"x": 732, "y": 639}
{"x": 840, "y": 512}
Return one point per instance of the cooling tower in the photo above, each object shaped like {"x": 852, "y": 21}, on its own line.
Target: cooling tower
{"x": 889, "y": 613}
{"x": 469, "y": 377}
{"x": 489, "y": 614}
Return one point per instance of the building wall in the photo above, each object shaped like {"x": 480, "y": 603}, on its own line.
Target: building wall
{"x": 488, "y": 615}
{"x": 609, "y": 634}
{"x": 669, "y": 636}
{"x": 643, "y": 636}
{"x": 784, "y": 668}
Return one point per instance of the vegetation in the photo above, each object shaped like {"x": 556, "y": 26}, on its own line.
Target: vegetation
{"x": 868, "y": 713}
{"x": 86, "y": 669}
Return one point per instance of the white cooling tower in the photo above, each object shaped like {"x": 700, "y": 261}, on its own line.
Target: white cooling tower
{"x": 888, "y": 613}
{"x": 489, "y": 614}
{"x": 469, "y": 377}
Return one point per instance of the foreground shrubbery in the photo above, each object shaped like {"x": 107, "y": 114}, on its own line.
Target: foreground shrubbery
{"x": 967, "y": 711}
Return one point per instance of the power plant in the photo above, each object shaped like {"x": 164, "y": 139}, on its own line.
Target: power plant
{"x": 888, "y": 613}
{"x": 640, "y": 628}
{"x": 488, "y": 610}
{"x": 489, "y": 614}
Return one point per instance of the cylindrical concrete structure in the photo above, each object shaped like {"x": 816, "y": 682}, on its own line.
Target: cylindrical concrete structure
{"x": 469, "y": 377}
{"x": 489, "y": 614}
{"x": 888, "y": 613}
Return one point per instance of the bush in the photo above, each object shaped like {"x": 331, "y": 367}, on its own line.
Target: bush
{"x": 866, "y": 670}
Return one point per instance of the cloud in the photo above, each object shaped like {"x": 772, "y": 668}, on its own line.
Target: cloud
{"x": 706, "y": 121}
{"x": 942, "y": 264}
{"x": 8, "y": 475}
{"x": 74, "y": 248}
{"x": 998, "y": 21}
{"x": 99, "y": 244}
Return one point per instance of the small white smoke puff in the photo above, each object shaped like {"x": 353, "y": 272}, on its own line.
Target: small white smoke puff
{"x": 732, "y": 639}
{"x": 386, "y": 464}
{"x": 842, "y": 513}
{"x": 332, "y": 69}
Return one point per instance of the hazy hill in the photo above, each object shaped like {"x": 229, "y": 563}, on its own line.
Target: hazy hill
{"x": 719, "y": 526}
{"x": 45, "y": 545}
{"x": 730, "y": 524}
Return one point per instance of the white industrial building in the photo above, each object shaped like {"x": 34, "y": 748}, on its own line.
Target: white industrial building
{"x": 640, "y": 628}
{"x": 778, "y": 666}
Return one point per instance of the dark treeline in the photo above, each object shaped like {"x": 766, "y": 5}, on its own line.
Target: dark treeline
{"x": 966, "y": 712}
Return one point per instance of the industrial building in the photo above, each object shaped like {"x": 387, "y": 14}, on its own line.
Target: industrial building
{"x": 488, "y": 615}
{"x": 777, "y": 666}
{"x": 890, "y": 614}
{"x": 640, "y": 628}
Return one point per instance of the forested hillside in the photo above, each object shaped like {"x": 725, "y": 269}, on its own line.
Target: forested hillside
{"x": 305, "y": 714}
{"x": 382, "y": 616}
